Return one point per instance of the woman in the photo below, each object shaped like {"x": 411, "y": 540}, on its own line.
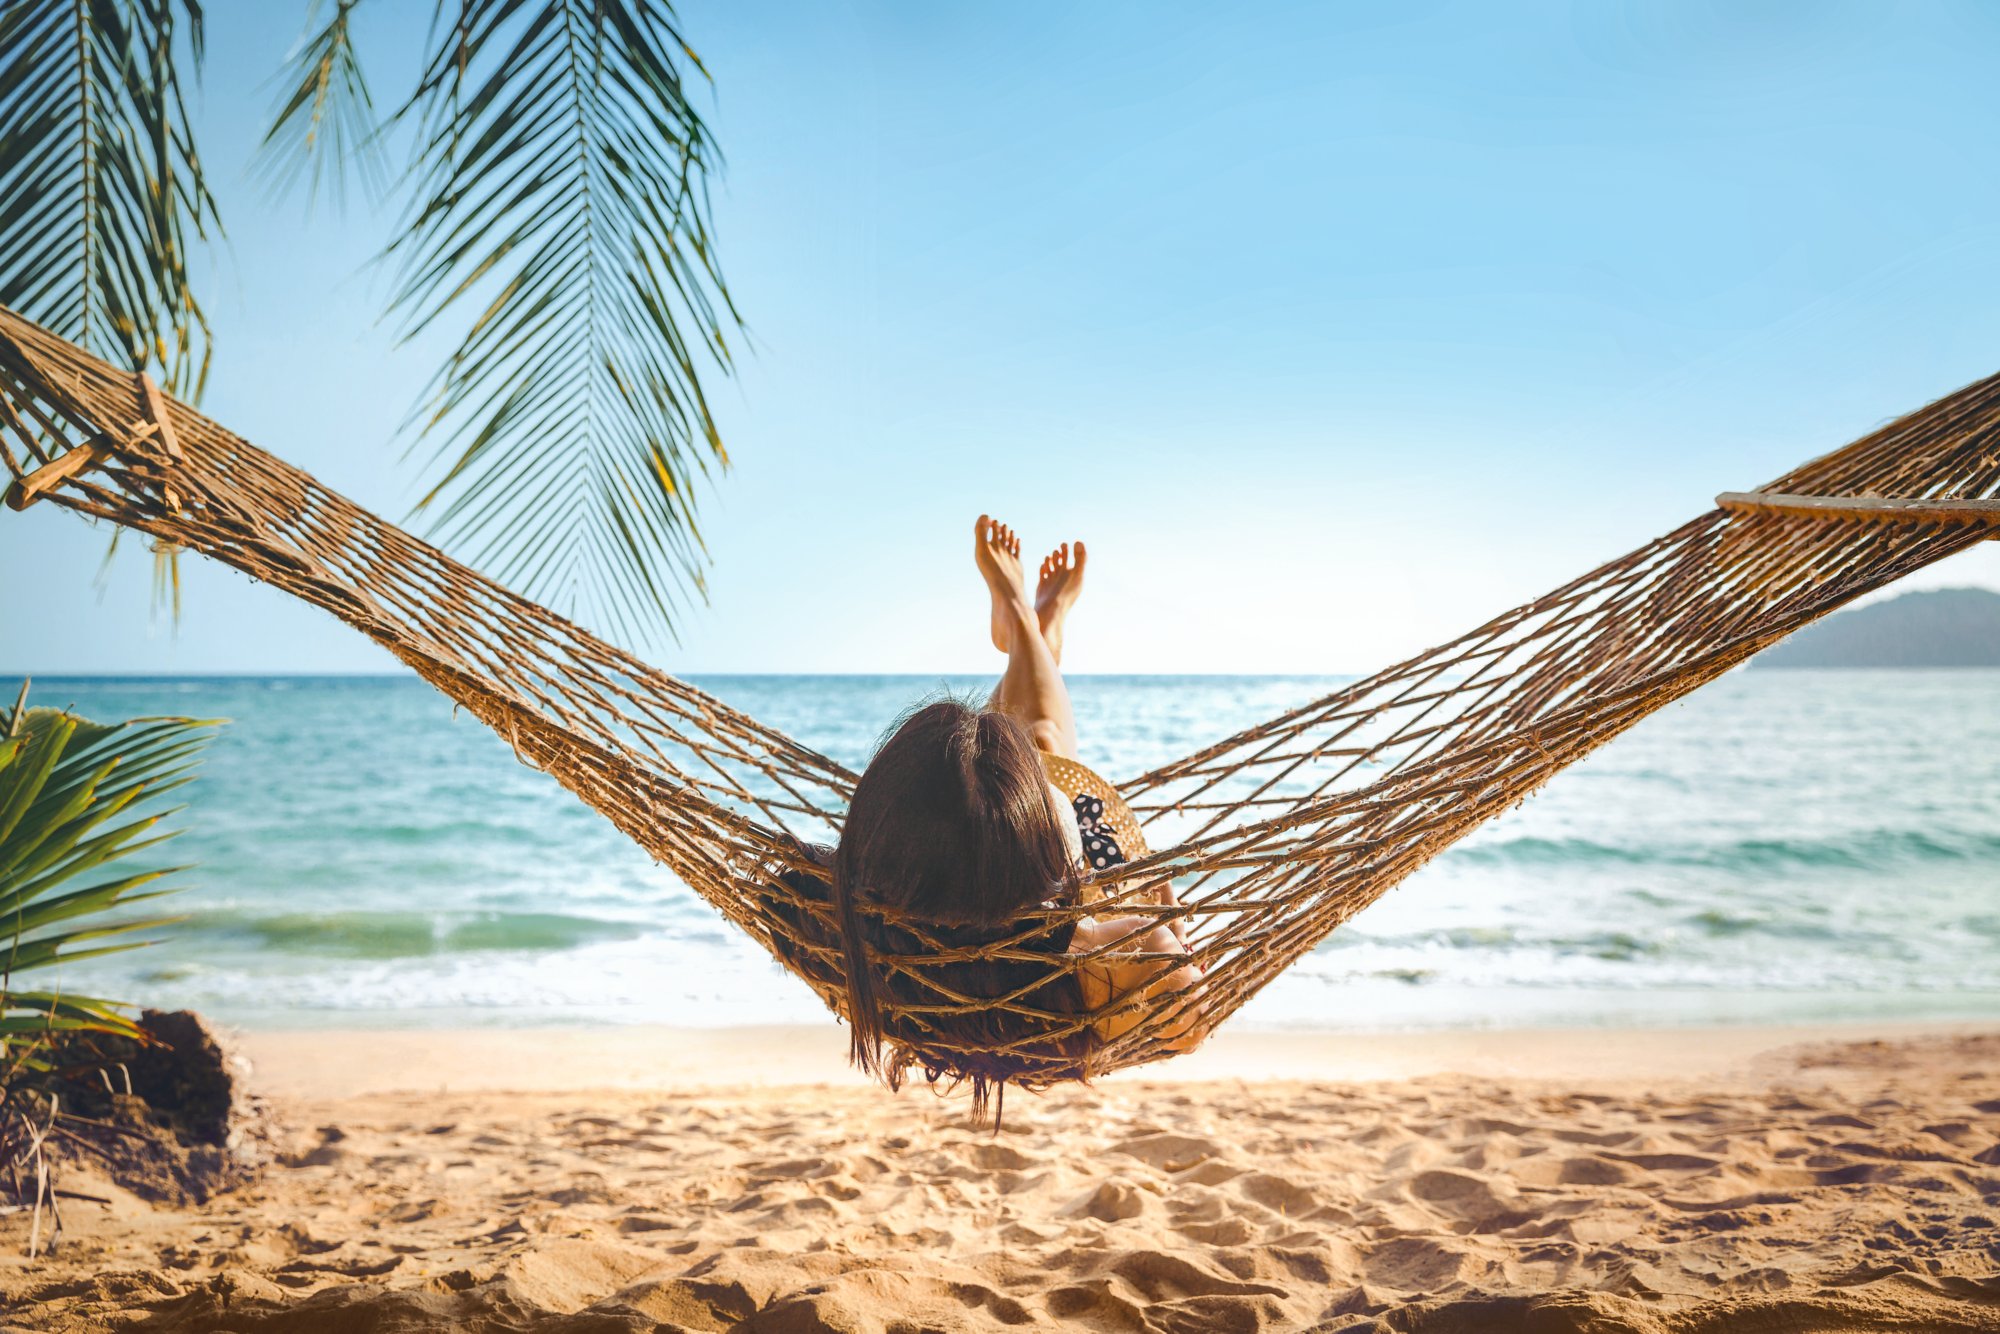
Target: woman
{"x": 971, "y": 823}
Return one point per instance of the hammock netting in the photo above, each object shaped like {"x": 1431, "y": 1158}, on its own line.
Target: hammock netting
{"x": 1273, "y": 836}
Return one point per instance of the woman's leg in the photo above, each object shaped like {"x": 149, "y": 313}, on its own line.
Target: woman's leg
{"x": 1031, "y": 689}
{"x": 1056, "y": 592}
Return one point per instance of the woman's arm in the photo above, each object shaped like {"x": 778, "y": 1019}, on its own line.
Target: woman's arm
{"x": 1123, "y": 970}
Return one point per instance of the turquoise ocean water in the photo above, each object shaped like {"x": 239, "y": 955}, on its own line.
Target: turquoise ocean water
{"x": 1783, "y": 846}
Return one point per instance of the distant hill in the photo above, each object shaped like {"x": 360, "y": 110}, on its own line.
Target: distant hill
{"x": 1951, "y": 627}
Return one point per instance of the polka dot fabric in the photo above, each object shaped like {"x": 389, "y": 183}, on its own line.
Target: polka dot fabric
{"x": 1100, "y": 845}
{"x": 1111, "y": 835}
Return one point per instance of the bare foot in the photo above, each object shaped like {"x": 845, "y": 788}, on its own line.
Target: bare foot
{"x": 997, "y": 551}
{"x": 1056, "y": 592}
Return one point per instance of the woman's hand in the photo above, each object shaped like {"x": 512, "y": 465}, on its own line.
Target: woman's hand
{"x": 1161, "y": 892}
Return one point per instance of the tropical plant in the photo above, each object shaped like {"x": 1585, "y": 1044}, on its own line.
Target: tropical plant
{"x": 101, "y": 192}
{"x": 555, "y": 216}
{"x": 75, "y": 798}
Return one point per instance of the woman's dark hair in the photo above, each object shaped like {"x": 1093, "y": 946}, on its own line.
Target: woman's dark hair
{"x": 952, "y": 827}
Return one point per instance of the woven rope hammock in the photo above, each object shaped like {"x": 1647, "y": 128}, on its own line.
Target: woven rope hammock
{"x": 1273, "y": 836}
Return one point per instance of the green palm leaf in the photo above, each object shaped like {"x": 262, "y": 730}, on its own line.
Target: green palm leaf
{"x": 101, "y": 191}
{"x": 325, "y": 123}
{"x": 562, "y": 211}
{"x": 75, "y": 797}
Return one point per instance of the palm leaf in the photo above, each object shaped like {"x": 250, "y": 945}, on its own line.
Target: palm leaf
{"x": 25, "y": 955}
{"x": 101, "y": 190}
{"x": 54, "y": 1013}
{"x": 325, "y": 122}
{"x": 562, "y": 215}
{"x": 28, "y": 1036}
{"x": 76, "y": 797}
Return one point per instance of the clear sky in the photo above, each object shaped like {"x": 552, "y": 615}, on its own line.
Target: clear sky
{"x": 1334, "y": 328}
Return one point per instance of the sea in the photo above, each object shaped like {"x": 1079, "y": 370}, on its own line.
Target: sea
{"x": 1784, "y": 846}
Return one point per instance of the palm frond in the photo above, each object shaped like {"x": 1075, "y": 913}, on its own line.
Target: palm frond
{"x": 562, "y": 212}
{"x": 101, "y": 190}
{"x": 326, "y": 122}
{"x": 76, "y": 796}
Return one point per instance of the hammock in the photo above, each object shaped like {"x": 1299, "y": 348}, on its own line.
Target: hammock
{"x": 1274, "y": 836}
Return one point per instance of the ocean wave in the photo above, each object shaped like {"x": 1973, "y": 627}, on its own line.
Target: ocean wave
{"x": 402, "y": 935}
{"x": 363, "y": 850}
{"x": 482, "y": 833}
{"x": 1613, "y": 946}
{"x": 1872, "y": 850}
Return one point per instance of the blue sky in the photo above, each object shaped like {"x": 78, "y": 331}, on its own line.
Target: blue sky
{"x": 1334, "y": 328}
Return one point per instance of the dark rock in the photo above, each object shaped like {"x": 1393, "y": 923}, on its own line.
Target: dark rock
{"x": 169, "y": 1120}
{"x": 187, "y": 1080}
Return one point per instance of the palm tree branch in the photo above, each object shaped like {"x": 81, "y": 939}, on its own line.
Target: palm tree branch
{"x": 562, "y": 214}
{"x": 326, "y": 123}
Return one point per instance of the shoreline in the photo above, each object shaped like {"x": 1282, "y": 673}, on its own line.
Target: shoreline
{"x": 358, "y": 1062}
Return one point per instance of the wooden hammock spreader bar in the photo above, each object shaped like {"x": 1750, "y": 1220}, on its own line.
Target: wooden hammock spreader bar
{"x": 25, "y": 491}
{"x": 156, "y": 412}
{"x": 1875, "y": 509}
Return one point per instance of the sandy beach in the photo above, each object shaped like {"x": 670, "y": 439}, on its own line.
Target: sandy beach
{"x": 612, "y": 1180}
{"x": 1446, "y": 555}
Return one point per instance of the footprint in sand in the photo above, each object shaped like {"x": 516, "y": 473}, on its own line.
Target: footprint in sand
{"x": 1478, "y": 1203}
{"x": 1114, "y": 1201}
{"x": 1168, "y": 1151}
{"x": 1278, "y": 1194}
{"x": 1592, "y": 1170}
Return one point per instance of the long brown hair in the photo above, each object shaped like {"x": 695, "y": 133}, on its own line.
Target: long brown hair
{"x": 953, "y": 826}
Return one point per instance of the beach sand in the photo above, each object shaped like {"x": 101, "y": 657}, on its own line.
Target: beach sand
{"x": 593, "y": 1182}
